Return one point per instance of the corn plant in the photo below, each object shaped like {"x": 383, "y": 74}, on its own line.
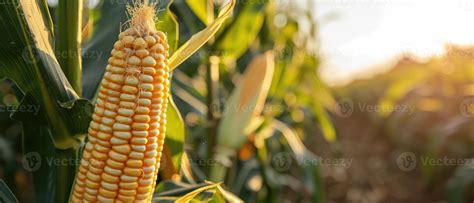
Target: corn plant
{"x": 115, "y": 114}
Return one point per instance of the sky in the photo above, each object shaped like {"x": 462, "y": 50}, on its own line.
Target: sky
{"x": 358, "y": 36}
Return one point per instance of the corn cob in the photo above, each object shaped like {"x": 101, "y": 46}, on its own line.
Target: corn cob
{"x": 125, "y": 138}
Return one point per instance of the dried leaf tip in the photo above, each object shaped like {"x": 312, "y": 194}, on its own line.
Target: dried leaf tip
{"x": 142, "y": 16}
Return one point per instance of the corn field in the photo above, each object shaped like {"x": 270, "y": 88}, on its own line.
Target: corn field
{"x": 219, "y": 101}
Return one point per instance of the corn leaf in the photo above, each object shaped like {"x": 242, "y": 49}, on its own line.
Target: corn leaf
{"x": 174, "y": 140}
{"x": 246, "y": 102}
{"x": 200, "y": 9}
{"x": 200, "y": 38}
{"x": 28, "y": 59}
{"x": 311, "y": 172}
{"x": 243, "y": 31}
{"x": 6, "y": 195}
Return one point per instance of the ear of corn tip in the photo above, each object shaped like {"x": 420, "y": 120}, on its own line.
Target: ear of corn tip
{"x": 121, "y": 159}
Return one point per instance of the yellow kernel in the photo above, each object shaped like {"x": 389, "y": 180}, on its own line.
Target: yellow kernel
{"x": 146, "y": 78}
{"x": 127, "y": 41}
{"x": 127, "y": 178}
{"x": 127, "y": 192}
{"x": 112, "y": 171}
{"x": 158, "y": 48}
{"x": 138, "y": 140}
{"x": 124, "y": 120}
{"x": 148, "y": 61}
{"x": 121, "y": 127}
{"x": 117, "y": 156}
{"x": 140, "y": 126}
{"x": 109, "y": 178}
{"x": 145, "y": 94}
{"x": 138, "y": 148}
{"x": 103, "y": 136}
{"x": 150, "y": 40}
{"x": 134, "y": 172}
{"x": 139, "y": 43}
{"x": 118, "y": 62}
{"x": 122, "y": 149}
{"x": 140, "y": 133}
{"x": 161, "y": 65}
{"x": 98, "y": 155}
{"x": 129, "y": 89}
{"x": 126, "y": 198}
{"x": 131, "y": 80}
{"x": 105, "y": 128}
{"x": 158, "y": 56}
{"x": 136, "y": 155}
{"x": 134, "y": 163}
{"x": 146, "y": 86}
{"x": 149, "y": 70}
{"x": 93, "y": 177}
{"x": 141, "y": 118}
{"x": 142, "y": 110}
{"x": 115, "y": 164}
{"x": 125, "y": 112}
{"x": 128, "y": 97}
{"x": 117, "y": 78}
{"x": 128, "y": 105}
{"x": 92, "y": 184}
{"x": 114, "y": 86}
{"x": 101, "y": 148}
{"x": 149, "y": 162}
{"x": 118, "y": 45}
{"x": 107, "y": 193}
{"x": 145, "y": 181}
{"x": 142, "y": 53}
{"x": 133, "y": 60}
{"x": 149, "y": 169}
{"x": 161, "y": 35}
{"x": 117, "y": 141}
{"x": 119, "y": 54}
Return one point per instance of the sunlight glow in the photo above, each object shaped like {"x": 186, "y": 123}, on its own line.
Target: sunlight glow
{"x": 358, "y": 36}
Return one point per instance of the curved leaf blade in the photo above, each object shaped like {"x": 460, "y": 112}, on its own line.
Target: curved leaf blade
{"x": 200, "y": 38}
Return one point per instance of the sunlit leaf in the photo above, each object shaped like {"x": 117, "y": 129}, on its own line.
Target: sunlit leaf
{"x": 200, "y": 9}
{"x": 200, "y": 38}
{"x": 243, "y": 31}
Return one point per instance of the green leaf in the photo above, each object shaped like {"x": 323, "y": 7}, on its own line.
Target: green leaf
{"x": 460, "y": 184}
{"x": 200, "y": 9}
{"x": 200, "y": 38}
{"x": 40, "y": 158}
{"x": 303, "y": 156}
{"x": 29, "y": 60}
{"x": 243, "y": 31}
{"x": 6, "y": 195}
{"x": 168, "y": 24}
{"x": 175, "y": 132}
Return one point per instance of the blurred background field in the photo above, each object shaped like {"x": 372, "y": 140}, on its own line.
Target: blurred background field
{"x": 400, "y": 128}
